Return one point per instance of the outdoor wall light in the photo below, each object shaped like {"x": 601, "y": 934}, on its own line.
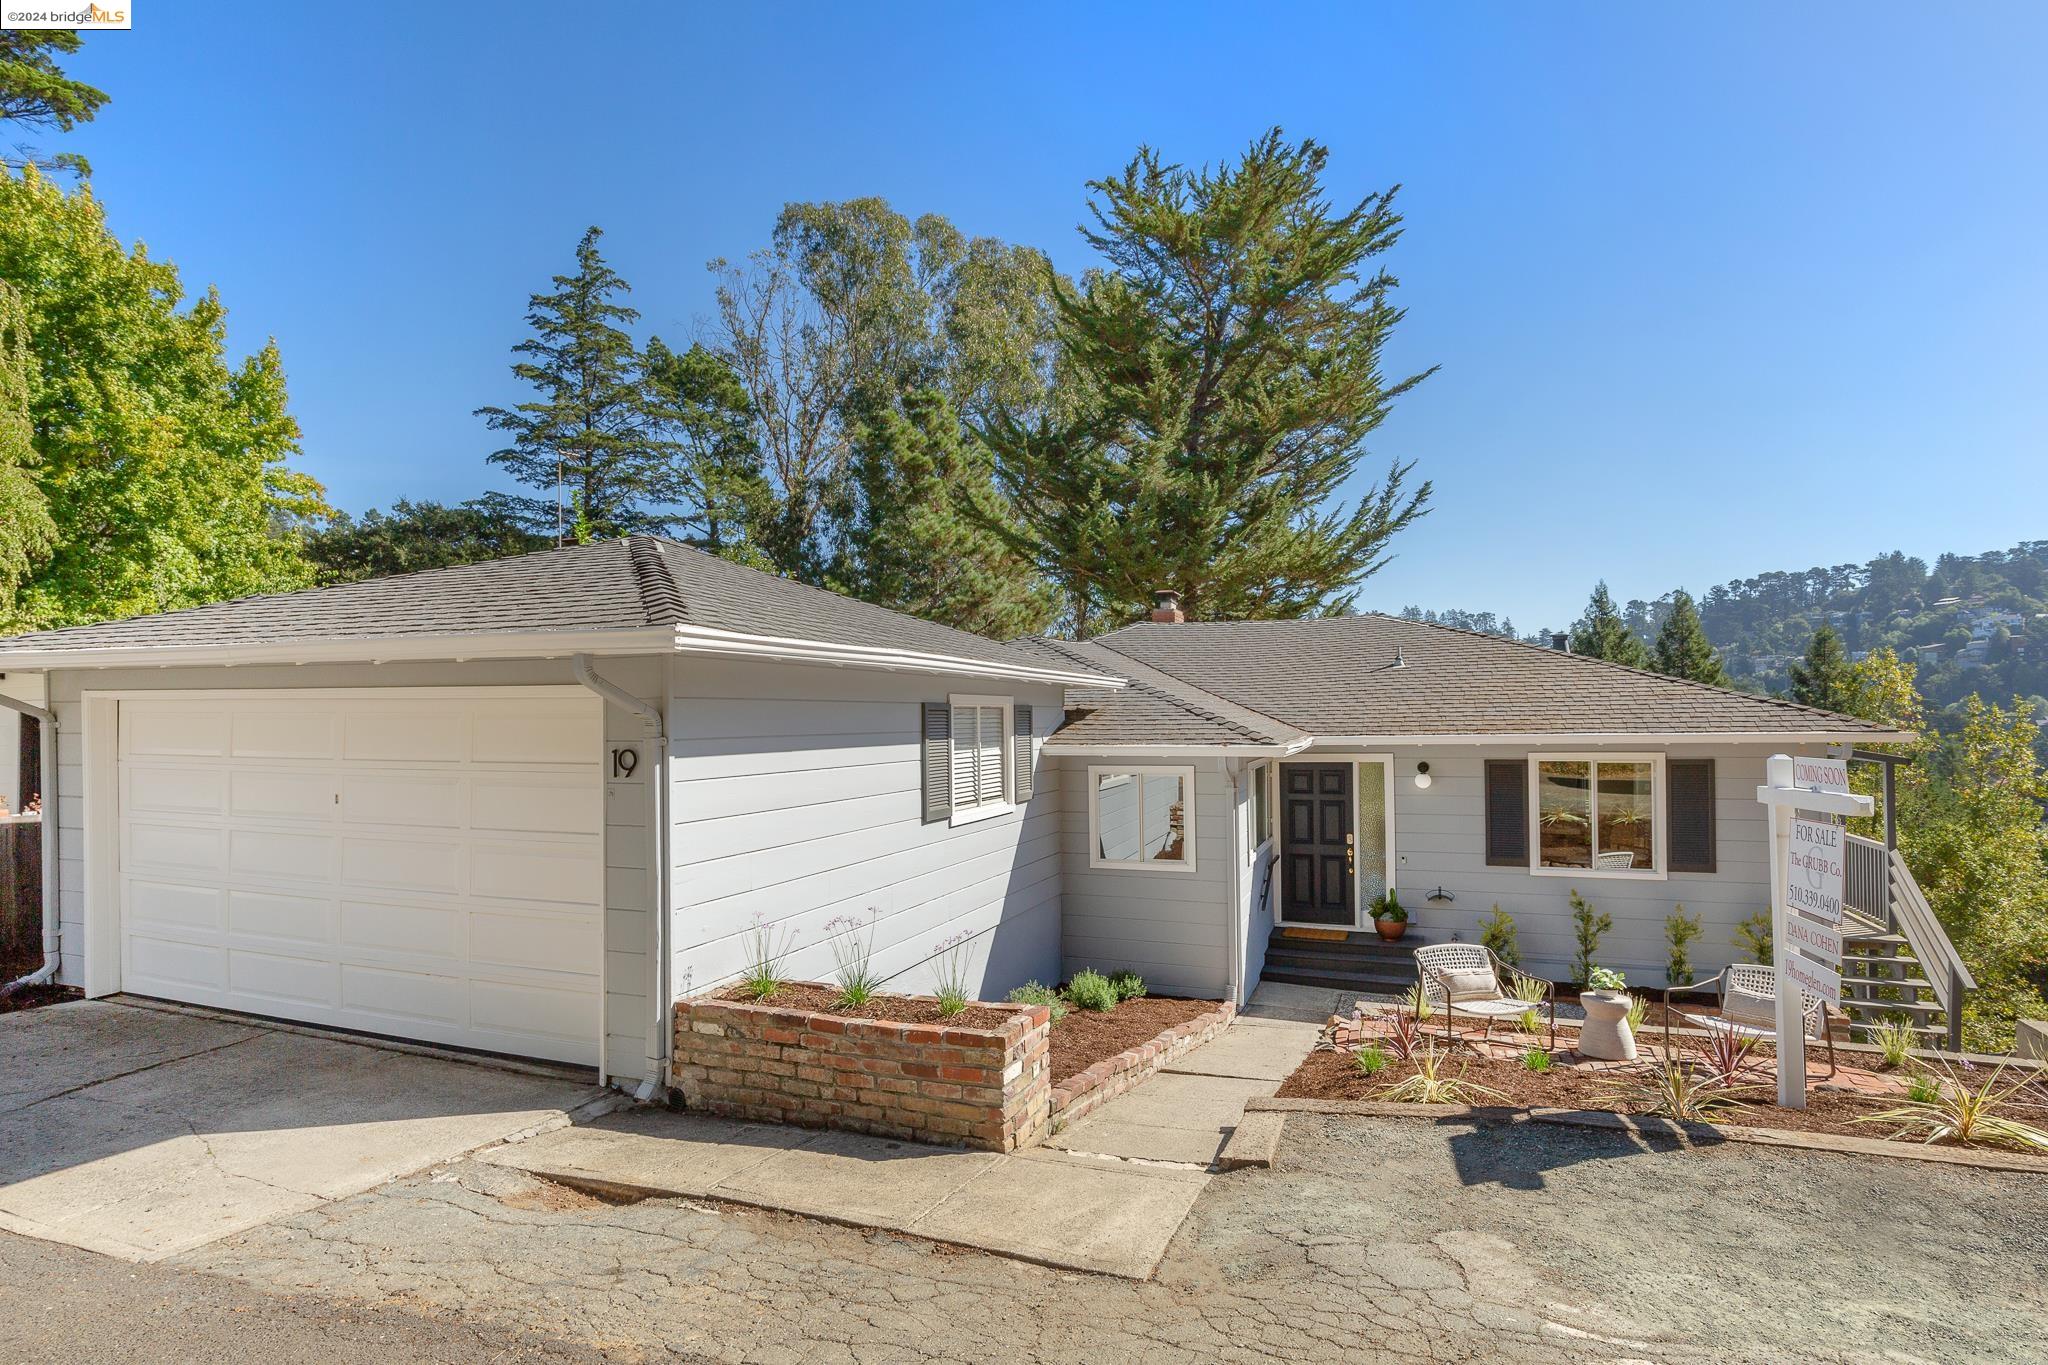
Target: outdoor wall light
{"x": 1422, "y": 774}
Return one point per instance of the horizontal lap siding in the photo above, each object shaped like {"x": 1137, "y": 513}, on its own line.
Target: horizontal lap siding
{"x": 796, "y": 796}
{"x": 1441, "y": 841}
{"x": 629, "y": 893}
{"x": 1172, "y": 928}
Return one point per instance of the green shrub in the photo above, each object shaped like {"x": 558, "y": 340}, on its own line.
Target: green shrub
{"x": 1418, "y": 1002}
{"x": 1128, "y": 985}
{"x": 1638, "y": 1010}
{"x": 1680, "y": 929}
{"x": 1091, "y": 990}
{"x": 1588, "y": 925}
{"x": 1497, "y": 932}
{"x": 1894, "y": 1040}
{"x": 1536, "y": 1059}
{"x": 1753, "y": 936}
{"x": 1371, "y": 1059}
{"x": 1038, "y": 993}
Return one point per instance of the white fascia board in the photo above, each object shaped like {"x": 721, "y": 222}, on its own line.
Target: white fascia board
{"x": 704, "y": 640}
{"x": 541, "y": 644}
{"x": 1168, "y": 750}
{"x": 1636, "y": 738}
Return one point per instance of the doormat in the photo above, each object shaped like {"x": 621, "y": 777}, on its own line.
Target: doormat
{"x": 1326, "y": 935}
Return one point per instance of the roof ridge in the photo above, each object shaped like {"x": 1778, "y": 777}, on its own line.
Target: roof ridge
{"x": 1194, "y": 704}
{"x": 660, "y": 598}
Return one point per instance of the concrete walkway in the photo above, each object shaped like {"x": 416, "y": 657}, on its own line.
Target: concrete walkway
{"x": 1186, "y": 1113}
{"x": 1058, "y": 1210}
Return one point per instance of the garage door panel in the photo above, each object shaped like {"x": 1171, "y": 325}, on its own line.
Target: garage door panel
{"x": 402, "y": 864}
{"x": 282, "y": 795}
{"x": 152, "y": 847}
{"x": 422, "y": 736}
{"x": 275, "y": 915}
{"x": 283, "y": 978}
{"x": 172, "y": 905}
{"x": 281, "y": 854}
{"x": 164, "y": 961}
{"x": 408, "y": 930}
{"x": 401, "y": 995}
{"x": 424, "y": 866}
{"x": 518, "y": 804}
{"x": 271, "y": 732}
{"x": 175, "y": 791}
{"x": 566, "y": 874}
{"x": 175, "y": 731}
{"x": 564, "y": 943}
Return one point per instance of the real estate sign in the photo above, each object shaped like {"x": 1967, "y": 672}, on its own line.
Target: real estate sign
{"x": 1813, "y": 869}
{"x": 1821, "y": 775}
{"x": 1818, "y": 939}
{"x": 1813, "y": 977}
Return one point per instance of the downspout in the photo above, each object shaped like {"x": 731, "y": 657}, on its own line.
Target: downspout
{"x": 52, "y": 922}
{"x": 657, "y": 940}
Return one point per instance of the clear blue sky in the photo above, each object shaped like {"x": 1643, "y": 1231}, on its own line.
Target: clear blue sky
{"x": 1715, "y": 289}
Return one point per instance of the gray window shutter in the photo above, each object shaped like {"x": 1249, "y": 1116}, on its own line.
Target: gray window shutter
{"x": 1507, "y": 812}
{"x": 1020, "y": 753}
{"x": 938, "y": 761}
{"x": 1691, "y": 804}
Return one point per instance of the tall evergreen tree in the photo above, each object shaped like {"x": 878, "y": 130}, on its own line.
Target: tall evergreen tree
{"x": 722, "y": 489}
{"x": 35, "y": 94}
{"x": 593, "y": 439}
{"x": 415, "y": 536}
{"x": 1229, "y": 362}
{"x": 1683, "y": 650}
{"x": 1825, "y": 678}
{"x": 1602, "y": 634}
{"x": 920, "y": 540}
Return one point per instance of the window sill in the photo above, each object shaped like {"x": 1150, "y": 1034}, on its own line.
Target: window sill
{"x": 1603, "y": 874}
{"x": 974, "y": 815}
{"x": 1139, "y": 865}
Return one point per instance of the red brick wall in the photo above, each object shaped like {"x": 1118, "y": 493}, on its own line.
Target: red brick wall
{"x": 1075, "y": 1097}
{"x": 927, "y": 1082}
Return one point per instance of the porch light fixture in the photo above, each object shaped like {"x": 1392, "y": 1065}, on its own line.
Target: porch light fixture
{"x": 1422, "y": 778}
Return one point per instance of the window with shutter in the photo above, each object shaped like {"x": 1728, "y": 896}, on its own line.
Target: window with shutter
{"x": 1691, "y": 784}
{"x": 1598, "y": 815}
{"x": 980, "y": 766}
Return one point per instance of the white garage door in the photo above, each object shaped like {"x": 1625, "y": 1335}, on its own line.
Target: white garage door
{"x": 427, "y": 864}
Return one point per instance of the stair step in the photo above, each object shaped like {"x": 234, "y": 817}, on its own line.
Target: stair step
{"x": 1883, "y": 1007}
{"x": 1877, "y": 940}
{"x": 1405, "y": 961}
{"x": 1344, "y": 981}
{"x": 1903, "y": 983}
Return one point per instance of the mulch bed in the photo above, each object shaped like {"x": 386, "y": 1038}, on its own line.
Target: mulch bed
{"x": 893, "y": 1009}
{"x": 1085, "y": 1037}
{"x": 19, "y": 965}
{"x": 1333, "y": 1076}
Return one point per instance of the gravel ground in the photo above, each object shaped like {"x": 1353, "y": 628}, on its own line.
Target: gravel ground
{"x": 1370, "y": 1240}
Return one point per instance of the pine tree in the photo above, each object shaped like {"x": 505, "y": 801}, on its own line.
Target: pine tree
{"x": 1825, "y": 678}
{"x": 918, "y": 536}
{"x": 36, "y": 94}
{"x": 593, "y": 439}
{"x": 1227, "y": 361}
{"x": 1682, "y": 649}
{"x": 1602, "y": 634}
{"x": 723, "y": 489}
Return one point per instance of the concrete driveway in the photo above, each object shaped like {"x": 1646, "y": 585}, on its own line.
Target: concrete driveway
{"x": 141, "y": 1132}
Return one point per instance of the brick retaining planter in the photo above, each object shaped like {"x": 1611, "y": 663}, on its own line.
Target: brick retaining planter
{"x": 1075, "y": 1097}
{"x": 987, "y": 1088}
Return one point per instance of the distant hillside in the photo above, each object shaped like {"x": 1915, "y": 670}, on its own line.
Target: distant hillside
{"x": 1970, "y": 623}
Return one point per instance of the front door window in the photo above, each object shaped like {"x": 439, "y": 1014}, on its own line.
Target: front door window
{"x": 1372, "y": 832}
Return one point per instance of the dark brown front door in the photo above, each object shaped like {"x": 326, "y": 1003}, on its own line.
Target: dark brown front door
{"x": 1316, "y": 816}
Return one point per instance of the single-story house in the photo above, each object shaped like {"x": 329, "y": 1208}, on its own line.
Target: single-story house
{"x": 523, "y": 806}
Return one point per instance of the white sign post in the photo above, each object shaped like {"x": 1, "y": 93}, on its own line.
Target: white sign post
{"x": 1806, "y": 897}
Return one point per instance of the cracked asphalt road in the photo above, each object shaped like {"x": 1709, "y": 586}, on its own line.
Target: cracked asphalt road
{"x": 1370, "y": 1240}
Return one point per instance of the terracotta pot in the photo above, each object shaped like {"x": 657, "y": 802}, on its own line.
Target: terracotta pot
{"x": 1391, "y": 929}
{"x": 1605, "y": 1036}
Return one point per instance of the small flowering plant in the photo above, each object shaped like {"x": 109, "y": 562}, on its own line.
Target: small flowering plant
{"x": 952, "y": 989}
{"x": 767, "y": 950}
{"x": 853, "y": 946}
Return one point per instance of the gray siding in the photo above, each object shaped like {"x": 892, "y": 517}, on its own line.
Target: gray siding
{"x": 1173, "y": 928}
{"x": 796, "y": 797}
{"x": 628, "y": 883}
{"x": 1440, "y": 841}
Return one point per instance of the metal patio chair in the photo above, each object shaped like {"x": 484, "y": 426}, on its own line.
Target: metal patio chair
{"x": 1467, "y": 978}
{"x": 1748, "y": 996}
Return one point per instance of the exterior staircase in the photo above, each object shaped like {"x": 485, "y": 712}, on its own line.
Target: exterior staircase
{"x": 1344, "y": 961}
{"x": 1896, "y": 961}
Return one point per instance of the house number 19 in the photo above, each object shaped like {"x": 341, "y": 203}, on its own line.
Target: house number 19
{"x": 624, "y": 761}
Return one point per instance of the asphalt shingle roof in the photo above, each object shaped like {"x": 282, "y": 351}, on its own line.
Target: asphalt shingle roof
{"x": 625, "y": 584}
{"x": 1153, "y": 708}
{"x": 1338, "y": 676}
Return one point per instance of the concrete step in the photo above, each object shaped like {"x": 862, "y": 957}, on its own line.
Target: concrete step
{"x": 1366, "y": 983}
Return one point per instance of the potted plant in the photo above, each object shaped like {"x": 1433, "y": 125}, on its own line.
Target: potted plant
{"x": 1389, "y": 918}
{"x": 1605, "y": 1035}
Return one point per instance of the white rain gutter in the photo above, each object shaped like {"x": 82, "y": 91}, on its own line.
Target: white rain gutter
{"x": 657, "y": 956}
{"x": 53, "y": 929}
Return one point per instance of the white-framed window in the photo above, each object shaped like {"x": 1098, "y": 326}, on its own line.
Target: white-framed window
{"x": 1597, "y": 815}
{"x": 981, "y": 757}
{"x": 1141, "y": 817}
{"x": 1259, "y": 811}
